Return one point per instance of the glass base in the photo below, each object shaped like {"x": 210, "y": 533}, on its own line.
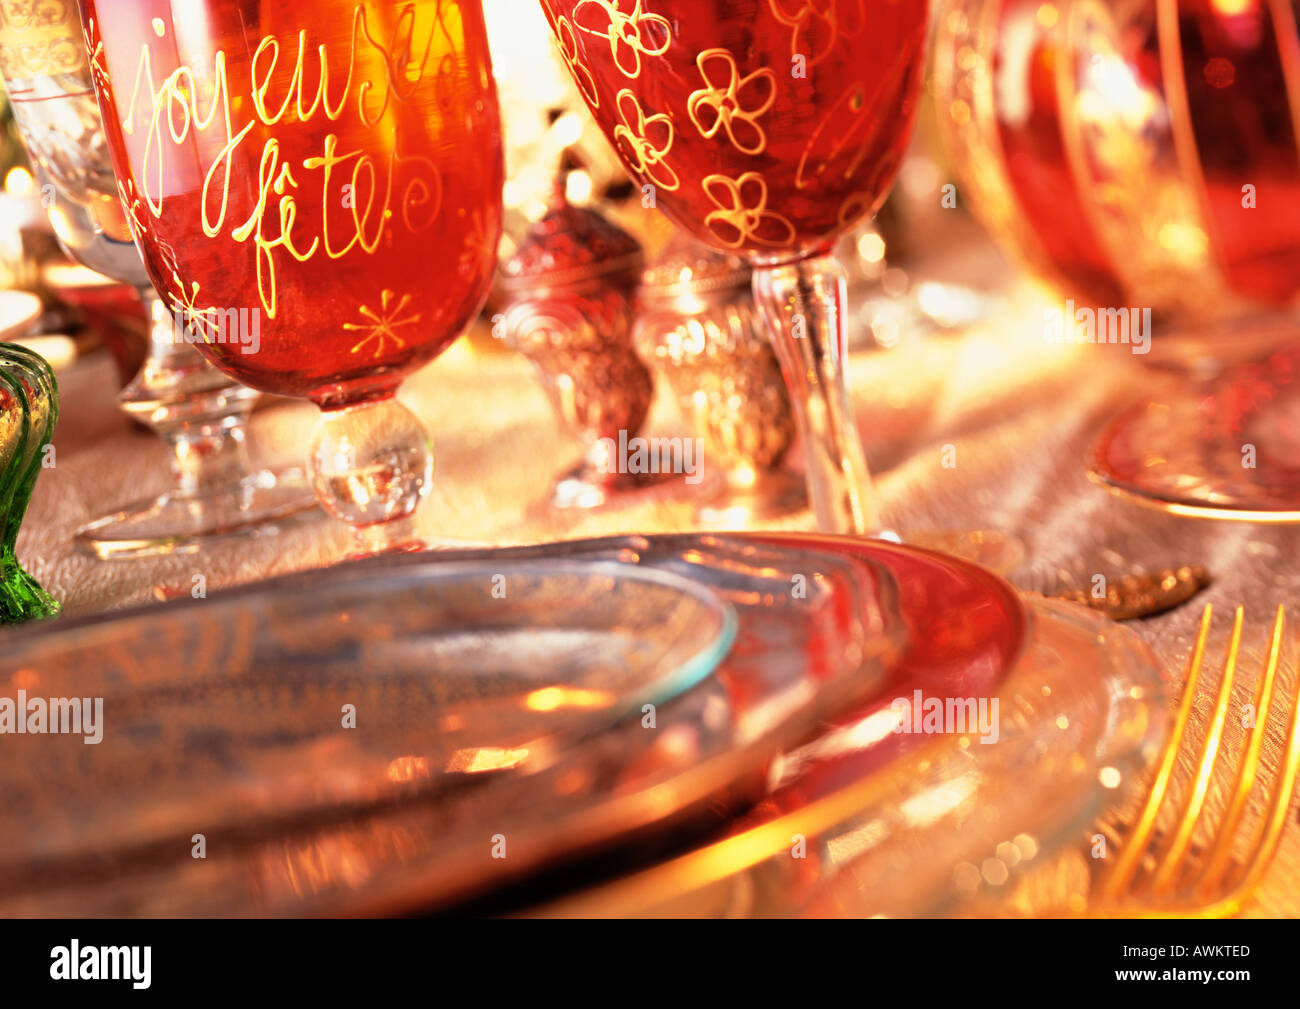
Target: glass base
{"x": 930, "y": 309}
{"x": 992, "y": 549}
{"x": 771, "y": 495}
{"x": 174, "y": 523}
{"x": 21, "y": 596}
{"x": 584, "y": 486}
{"x": 1227, "y": 449}
{"x": 403, "y": 539}
{"x": 397, "y": 536}
{"x": 1202, "y": 350}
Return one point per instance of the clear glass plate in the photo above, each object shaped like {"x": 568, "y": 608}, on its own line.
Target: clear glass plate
{"x": 336, "y": 689}
{"x": 816, "y": 633}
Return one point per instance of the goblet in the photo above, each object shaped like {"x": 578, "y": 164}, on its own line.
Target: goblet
{"x": 1142, "y": 158}
{"x": 766, "y": 128}
{"x": 200, "y": 413}
{"x": 572, "y": 288}
{"x": 701, "y": 329}
{"x": 327, "y": 175}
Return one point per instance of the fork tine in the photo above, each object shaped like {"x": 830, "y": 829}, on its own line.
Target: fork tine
{"x": 1113, "y": 882}
{"x": 1269, "y": 831}
{"x": 1173, "y": 858}
{"x": 1212, "y": 877}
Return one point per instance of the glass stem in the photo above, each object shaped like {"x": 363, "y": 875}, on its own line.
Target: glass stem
{"x": 804, "y": 306}
{"x": 198, "y": 411}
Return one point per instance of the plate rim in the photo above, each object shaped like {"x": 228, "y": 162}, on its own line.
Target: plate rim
{"x": 765, "y": 840}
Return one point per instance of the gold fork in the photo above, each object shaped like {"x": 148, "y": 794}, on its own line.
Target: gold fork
{"x": 1214, "y": 886}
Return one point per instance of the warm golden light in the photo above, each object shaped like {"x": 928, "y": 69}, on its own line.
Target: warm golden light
{"x": 1185, "y": 239}
{"x": 555, "y": 698}
{"x": 408, "y": 768}
{"x": 480, "y": 759}
{"x": 566, "y": 130}
{"x": 1115, "y": 91}
{"x": 58, "y": 351}
{"x": 933, "y": 804}
{"x": 25, "y": 679}
{"x": 578, "y": 188}
{"x": 19, "y": 182}
{"x": 871, "y": 247}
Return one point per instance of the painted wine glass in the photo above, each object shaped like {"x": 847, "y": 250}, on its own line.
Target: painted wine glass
{"x": 200, "y": 413}
{"x": 329, "y": 173}
{"x": 766, "y": 128}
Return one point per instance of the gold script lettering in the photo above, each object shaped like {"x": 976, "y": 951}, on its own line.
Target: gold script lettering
{"x": 176, "y": 101}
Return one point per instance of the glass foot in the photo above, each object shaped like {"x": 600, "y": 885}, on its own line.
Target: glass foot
{"x": 366, "y": 547}
{"x": 931, "y": 308}
{"x": 1227, "y": 449}
{"x": 21, "y": 595}
{"x": 585, "y": 486}
{"x": 769, "y": 496}
{"x": 992, "y": 549}
{"x": 397, "y": 536}
{"x": 175, "y": 523}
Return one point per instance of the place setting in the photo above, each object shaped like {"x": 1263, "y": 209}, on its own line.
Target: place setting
{"x": 436, "y": 482}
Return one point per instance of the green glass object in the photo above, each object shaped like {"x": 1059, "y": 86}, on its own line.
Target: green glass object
{"x": 29, "y": 408}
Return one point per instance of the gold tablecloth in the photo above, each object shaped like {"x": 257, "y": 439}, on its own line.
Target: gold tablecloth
{"x": 1015, "y": 413}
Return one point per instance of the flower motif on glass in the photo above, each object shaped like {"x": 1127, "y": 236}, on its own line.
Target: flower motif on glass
{"x": 644, "y": 141}
{"x": 818, "y": 24}
{"x": 631, "y": 34}
{"x": 731, "y": 102}
{"x": 567, "y": 43}
{"x": 742, "y": 216}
